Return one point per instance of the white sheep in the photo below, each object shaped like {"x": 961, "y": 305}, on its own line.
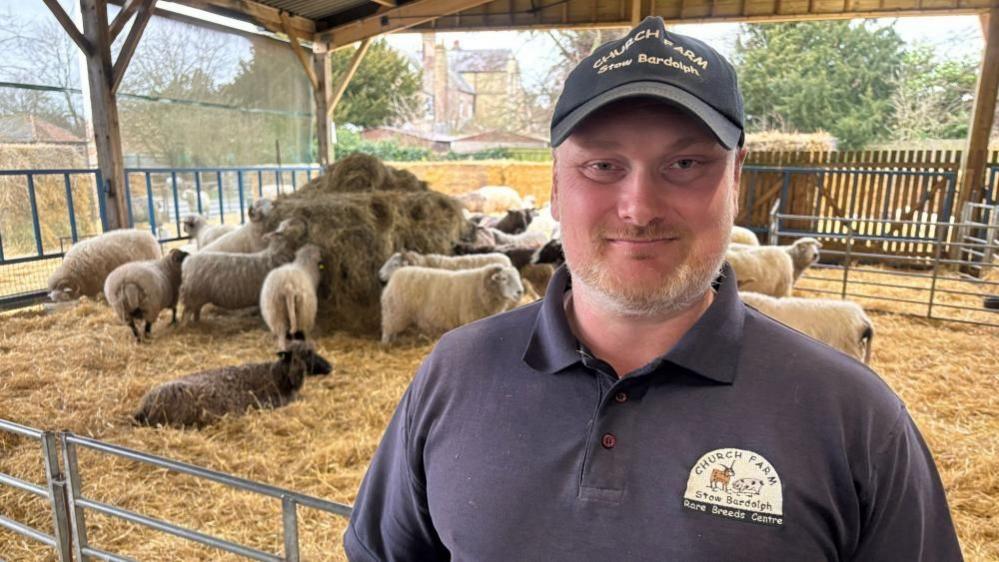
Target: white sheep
{"x": 742, "y": 235}
{"x": 804, "y": 252}
{"x": 288, "y": 300}
{"x": 437, "y": 261}
{"x": 233, "y": 280}
{"x": 529, "y": 239}
{"x": 492, "y": 199}
{"x": 88, "y": 263}
{"x": 203, "y": 234}
{"x": 202, "y": 398}
{"x": 192, "y": 197}
{"x": 544, "y": 222}
{"x": 139, "y": 290}
{"x": 840, "y": 324}
{"x": 248, "y": 238}
{"x": 765, "y": 269}
{"x": 438, "y": 300}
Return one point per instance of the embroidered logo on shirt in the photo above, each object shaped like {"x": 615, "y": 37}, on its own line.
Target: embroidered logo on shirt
{"x": 737, "y": 484}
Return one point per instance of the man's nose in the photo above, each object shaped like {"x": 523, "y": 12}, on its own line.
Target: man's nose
{"x": 639, "y": 200}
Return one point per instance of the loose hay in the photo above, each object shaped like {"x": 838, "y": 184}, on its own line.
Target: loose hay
{"x": 78, "y": 370}
{"x": 359, "y": 213}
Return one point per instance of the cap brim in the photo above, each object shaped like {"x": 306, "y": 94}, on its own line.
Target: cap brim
{"x": 728, "y": 133}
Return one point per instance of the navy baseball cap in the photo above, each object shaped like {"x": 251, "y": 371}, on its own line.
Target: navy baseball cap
{"x": 654, "y": 63}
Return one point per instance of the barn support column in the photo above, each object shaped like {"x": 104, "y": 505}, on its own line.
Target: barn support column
{"x": 321, "y": 65}
{"x": 982, "y": 114}
{"x": 103, "y": 78}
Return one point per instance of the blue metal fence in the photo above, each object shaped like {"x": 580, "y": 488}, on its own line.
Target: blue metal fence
{"x": 32, "y": 240}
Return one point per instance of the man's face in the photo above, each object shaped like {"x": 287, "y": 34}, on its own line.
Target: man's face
{"x": 646, "y": 198}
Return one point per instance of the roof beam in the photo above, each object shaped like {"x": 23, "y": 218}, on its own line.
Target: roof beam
{"x": 128, "y": 49}
{"x": 395, "y": 19}
{"x": 303, "y": 58}
{"x": 122, "y": 18}
{"x": 69, "y": 26}
{"x": 265, "y": 16}
{"x": 355, "y": 61}
{"x": 388, "y": 3}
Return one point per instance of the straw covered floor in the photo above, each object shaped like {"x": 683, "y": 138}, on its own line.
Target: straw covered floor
{"x": 79, "y": 370}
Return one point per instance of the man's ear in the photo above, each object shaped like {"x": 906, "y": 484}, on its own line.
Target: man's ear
{"x": 740, "y": 157}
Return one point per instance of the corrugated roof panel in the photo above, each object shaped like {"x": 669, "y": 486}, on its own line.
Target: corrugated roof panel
{"x": 314, "y": 9}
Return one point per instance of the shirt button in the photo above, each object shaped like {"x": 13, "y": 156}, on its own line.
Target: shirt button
{"x": 608, "y": 441}
{"x": 621, "y": 397}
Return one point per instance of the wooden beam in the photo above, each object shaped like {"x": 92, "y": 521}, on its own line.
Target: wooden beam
{"x": 389, "y": 3}
{"x": 355, "y": 61}
{"x": 296, "y": 47}
{"x": 69, "y": 26}
{"x": 122, "y": 18}
{"x": 981, "y": 116}
{"x": 104, "y": 112}
{"x": 266, "y": 16}
{"x": 396, "y": 19}
{"x": 128, "y": 49}
{"x": 321, "y": 62}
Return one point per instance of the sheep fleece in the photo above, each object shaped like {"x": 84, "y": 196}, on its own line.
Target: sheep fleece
{"x": 89, "y": 262}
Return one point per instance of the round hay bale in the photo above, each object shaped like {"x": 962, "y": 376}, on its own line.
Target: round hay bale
{"x": 374, "y": 212}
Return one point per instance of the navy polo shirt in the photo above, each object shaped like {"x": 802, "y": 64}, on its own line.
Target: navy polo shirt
{"x": 746, "y": 441}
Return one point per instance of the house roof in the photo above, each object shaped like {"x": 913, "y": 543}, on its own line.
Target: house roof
{"x": 499, "y": 136}
{"x": 479, "y": 60}
{"x": 423, "y": 135}
{"x": 30, "y": 129}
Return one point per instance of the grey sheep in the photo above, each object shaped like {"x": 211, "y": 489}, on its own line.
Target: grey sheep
{"x": 438, "y": 261}
{"x": 288, "y": 300}
{"x": 249, "y": 237}
{"x": 233, "y": 280}
{"x": 88, "y": 263}
{"x": 203, "y": 398}
{"x": 140, "y": 290}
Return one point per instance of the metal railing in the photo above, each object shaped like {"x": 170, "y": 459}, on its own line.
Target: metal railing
{"x": 156, "y": 201}
{"x": 54, "y": 492}
{"x": 69, "y": 505}
{"x": 936, "y": 274}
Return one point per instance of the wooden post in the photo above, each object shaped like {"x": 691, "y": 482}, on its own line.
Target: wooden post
{"x": 107, "y": 133}
{"x": 321, "y": 67}
{"x": 982, "y": 114}
{"x": 355, "y": 61}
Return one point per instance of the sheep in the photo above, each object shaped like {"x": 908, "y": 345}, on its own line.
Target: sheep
{"x": 492, "y": 199}
{"x": 742, "y": 235}
{"x": 514, "y": 222}
{"x": 248, "y": 238}
{"x": 840, "y": 324}
{"x": 532, "y": 240}
{"x": 203, "y": 398}
{"x": 140, "y": 214}
{"x": 233, "y": 280}
{"x": 437, "y": 261}
{"x": 140, "y": 290}
{"x": 551, "y": 253}
{"x": 536, "y": 277}
{"x": 88, "y": 263}
{"x": 804, "y": 252}
{"x": 203, "y": 234}
{"x": 544, "y": 222}
{"x": 766, "y": 269}
{"x": 288, "y": 300}
{"x": 192, "y": 198}
{"x": 438, "y": 300}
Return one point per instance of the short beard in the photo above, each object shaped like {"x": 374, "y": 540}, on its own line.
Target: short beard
{"x": 681, "y": 290}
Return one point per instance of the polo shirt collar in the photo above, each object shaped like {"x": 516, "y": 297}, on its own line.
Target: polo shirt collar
{"x": 709, "y": 349}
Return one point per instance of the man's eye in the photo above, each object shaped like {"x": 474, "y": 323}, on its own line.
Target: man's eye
{"x": 602, "y": 166}
{"x": 684, "y": 164}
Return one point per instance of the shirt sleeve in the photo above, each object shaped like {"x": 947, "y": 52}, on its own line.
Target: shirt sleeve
{"x": 391, "y": 519}
{"x": 905, "y": 514}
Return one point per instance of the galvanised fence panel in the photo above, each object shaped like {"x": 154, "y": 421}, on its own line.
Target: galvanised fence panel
{"x": 44, "y": 212}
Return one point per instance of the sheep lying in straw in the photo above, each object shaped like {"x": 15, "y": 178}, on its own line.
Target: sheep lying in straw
{"x": 437, "y": 261}
{"x": 203, "y": 234}
{"x": 233, "y": 280}
{"x": 742, "y": 235}
{"x": 438, "y": 300}
{"x": 288, "y": 298}
{"x": 140, "y": 290}
{"x": 248, "y": 238}
{"x": 88, "y": 263}
{"x": 840, "y": 324}
{"x": 491, "y": 199}
{"x": 202, "y": 398}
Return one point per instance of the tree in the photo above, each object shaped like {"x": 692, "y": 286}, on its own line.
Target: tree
{"x": 933, "y": 97}
{"x": 384, "y": 90}
{"x": 836, "y": 76}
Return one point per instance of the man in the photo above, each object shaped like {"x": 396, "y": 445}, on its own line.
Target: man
{"x": 640, "y": 411}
